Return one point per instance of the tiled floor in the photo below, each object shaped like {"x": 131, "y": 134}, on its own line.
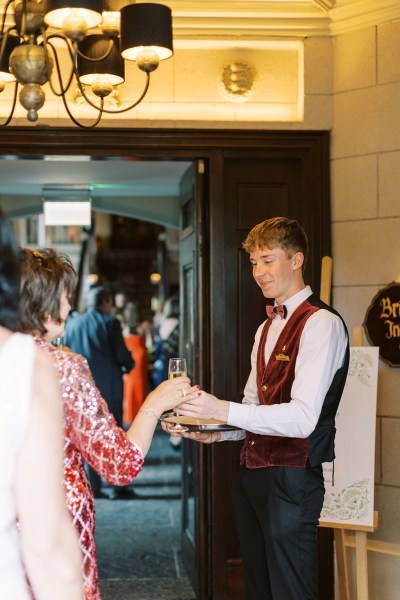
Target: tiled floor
{"x": 138, "y": 540}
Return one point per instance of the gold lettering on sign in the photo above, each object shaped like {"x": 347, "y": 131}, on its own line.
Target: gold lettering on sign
{"x": 389, "y": 309}
{"x": 382, "y": 323}
{"x": 394, "y": 330}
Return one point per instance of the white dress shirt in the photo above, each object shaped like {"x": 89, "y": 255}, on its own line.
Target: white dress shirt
{"x": 321, "y": 353}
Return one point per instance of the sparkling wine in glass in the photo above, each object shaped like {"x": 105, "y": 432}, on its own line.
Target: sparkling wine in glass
{"x": 177, "y": 368}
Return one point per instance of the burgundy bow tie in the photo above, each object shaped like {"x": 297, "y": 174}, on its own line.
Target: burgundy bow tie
{"x": 272, "y": 311}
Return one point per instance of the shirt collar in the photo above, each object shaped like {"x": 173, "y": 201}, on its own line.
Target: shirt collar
{"x": 295, "y": 301}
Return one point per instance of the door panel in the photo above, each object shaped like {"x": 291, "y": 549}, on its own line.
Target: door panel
{"x": 257, "y": 186}
{"x": 194, "y": 348}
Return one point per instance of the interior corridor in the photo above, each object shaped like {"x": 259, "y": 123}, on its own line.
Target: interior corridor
{"x": 138, "y": 541}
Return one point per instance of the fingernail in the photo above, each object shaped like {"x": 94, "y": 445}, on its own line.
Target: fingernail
{"x": 197, "y": 386}
{"x": 199, "y": 393}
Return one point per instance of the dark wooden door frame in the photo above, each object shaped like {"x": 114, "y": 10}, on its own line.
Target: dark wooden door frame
{"x": 214, "y": 147}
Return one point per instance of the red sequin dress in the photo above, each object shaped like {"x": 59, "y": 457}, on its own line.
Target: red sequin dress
{"x": 92, "y": 435}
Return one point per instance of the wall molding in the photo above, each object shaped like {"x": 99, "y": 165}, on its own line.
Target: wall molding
{"x": 257, "y": 19}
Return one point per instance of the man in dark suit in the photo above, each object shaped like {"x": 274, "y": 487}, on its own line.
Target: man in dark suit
{"x": 97, "y": 335}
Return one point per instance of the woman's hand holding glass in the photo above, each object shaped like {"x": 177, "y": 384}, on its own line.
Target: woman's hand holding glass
{"x": 176, "y": 368}
{"x": 201, "y": 406}
{"x": 170, "y": 394}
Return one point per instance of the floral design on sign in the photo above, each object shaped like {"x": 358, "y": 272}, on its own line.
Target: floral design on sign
{"x": 351, "y": 502}
{"x": 360, "y": 366}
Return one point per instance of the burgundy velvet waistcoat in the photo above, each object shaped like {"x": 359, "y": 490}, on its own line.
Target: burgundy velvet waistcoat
{"x": 274, "y": 383}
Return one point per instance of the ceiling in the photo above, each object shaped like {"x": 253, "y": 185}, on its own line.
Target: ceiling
{"x": 122, "y": 181}
{"x": 105, "y": 176}
{"x": 148, "y": 190}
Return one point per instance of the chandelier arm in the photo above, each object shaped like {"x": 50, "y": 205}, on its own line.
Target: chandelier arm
{"x": 57, "y": 62}
{"x": 121, "y": 110}
{"x": 89, "y": 59}
{"x": 10, "y": 116}
{"x": 74, "y": 120}
{"x": 4, "y": 41}
{"x": 6, "y": 7}
{"x": 23, "y": 19}
{"x": 62, "y": 94}
{"x": 63, "y": 90}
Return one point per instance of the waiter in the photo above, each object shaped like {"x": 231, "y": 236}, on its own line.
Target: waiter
{"x": 299, "y": 365}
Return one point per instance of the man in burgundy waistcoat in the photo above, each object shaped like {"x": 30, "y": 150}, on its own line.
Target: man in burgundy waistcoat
{"x": 299, "y": 365}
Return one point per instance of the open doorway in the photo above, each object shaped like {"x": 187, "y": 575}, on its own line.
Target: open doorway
{"x": 121, "y": 264}
{"x": 249, "y": 176}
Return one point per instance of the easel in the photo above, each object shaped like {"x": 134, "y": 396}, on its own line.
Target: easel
{"x": 341, "y": 539}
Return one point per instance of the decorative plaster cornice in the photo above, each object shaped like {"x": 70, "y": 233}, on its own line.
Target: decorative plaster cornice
{"x": 254, "y": 20}
{"x": 350, "y": 15}
{"x": 263, "y": 19}
{"x": 325, "y": 4}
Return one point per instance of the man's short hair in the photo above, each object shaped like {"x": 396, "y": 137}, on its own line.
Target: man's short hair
{"x": 97, "y": 295}
{"x": 278, "y": 232}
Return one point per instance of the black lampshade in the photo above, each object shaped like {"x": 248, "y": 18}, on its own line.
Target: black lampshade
{"x": 11, "y": 42}
{"x": 146, "y": 25}
{"x": 95, "y": 46}
{"x": 58, "y": 10}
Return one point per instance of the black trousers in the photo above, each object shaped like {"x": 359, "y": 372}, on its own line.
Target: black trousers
{"x": 276, "y": 512}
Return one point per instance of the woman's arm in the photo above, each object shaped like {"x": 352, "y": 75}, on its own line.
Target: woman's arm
{"x": 111, "y": 452}
{"x": 49, "y": 541}
{"x": 166, "y": 396}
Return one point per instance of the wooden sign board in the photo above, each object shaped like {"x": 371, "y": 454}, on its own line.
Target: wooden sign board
{"x": 382, "y": 323}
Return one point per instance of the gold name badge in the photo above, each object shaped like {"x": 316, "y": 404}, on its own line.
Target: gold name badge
{"x": 282, "y": 357}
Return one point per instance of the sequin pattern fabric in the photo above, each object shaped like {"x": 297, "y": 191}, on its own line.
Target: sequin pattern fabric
{"x": 92, "y": 435}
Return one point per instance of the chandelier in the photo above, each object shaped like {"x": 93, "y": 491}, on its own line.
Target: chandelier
{"x": 98, "y": 39}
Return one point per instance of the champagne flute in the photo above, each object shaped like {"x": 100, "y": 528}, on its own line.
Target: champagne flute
{"x": 177, "y": 368}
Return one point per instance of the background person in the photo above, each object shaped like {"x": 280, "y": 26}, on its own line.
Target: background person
{"x": 91, "y": 433}
{"x": 126, "y": 312}
{"x": 299, "y": 365}
{"x": 97, "y": 335}
{"x": 167, "y": 339}
{"x": 136, "y": 381}
{"x": 45, "y": 548}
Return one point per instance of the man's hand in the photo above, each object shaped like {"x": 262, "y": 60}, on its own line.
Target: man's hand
{"x": 202, "y": 405}
{"x": 206, "y": 437}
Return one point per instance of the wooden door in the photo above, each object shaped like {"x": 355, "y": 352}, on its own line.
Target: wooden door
{"x": 194, "y": 347}
{"x": 256, "y": 186}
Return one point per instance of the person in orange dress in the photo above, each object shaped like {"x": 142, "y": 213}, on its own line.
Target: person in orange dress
{"x": 136, "y": 381}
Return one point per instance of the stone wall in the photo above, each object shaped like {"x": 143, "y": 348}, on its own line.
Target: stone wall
{"x": 365, "y": 174}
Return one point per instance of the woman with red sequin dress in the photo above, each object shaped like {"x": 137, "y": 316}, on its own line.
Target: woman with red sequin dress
{"x": 91, "y": 433}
